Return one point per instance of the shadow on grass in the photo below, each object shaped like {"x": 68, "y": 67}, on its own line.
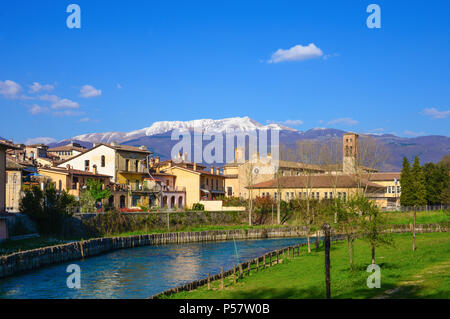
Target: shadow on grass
{"x": 280, "y": 293}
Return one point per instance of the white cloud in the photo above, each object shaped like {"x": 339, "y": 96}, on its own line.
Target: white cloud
{"x": 58, "y": 103}
{"x": 435, "y": 113}
{"x": 85, "y": 119}
{"x": 413, "y": 134}
{"x": 119, "y": 86}
{"x": 36, "y": 109}
{"x": 293, "y": 122}
{"x": 88, "y": 91}
{"x": 65, "y": 104}
{"x": 296, "y": 53}
{"x": 343, "y": 120}
{"x": 40, "y": 140}
{"x": 287, "y": 122}
{"x": 10, "y": 89}
{"x": 327, "y": 56}
{"x": 37, "y": 87}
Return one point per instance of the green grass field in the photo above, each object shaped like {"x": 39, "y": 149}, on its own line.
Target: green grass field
{"x": 424, "y": 273}
{"x": 8, "y": 247}
{"x": 430, "y": 217}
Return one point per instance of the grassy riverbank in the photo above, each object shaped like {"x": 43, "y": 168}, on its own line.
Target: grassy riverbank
{"x": 422, "y": 217}
{"x": 424, "y": 273}
{"x": 394, "y": 218}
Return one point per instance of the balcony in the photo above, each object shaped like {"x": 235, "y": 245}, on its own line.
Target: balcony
{"x": 142, "y": 188}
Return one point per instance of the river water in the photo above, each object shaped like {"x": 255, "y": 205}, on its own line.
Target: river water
{"x": 138, "y": 272}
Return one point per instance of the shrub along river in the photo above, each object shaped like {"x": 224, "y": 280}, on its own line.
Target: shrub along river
{"x": 139, "y": 272}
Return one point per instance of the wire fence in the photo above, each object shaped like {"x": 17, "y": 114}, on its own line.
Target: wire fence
{"x": 425, "y": 208}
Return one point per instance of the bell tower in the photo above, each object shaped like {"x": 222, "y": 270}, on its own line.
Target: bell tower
{"x": 349, "y": 152}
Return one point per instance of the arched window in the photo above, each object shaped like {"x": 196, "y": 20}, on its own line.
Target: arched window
{"x": 103, "y": 161}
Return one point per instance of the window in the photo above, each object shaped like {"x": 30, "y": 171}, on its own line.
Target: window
{"x": 207, "y": 182}
{"x": 136, "y": 166}
{"x": 326, "y": 195}
{"x": 127, "y": 165}
{"x": 344, "y": 196}
{"x": 86, "y": 165}
{"x": 103, "y": 161}
{"x": 317, "y": 195}
{"x": 230, "y": 191}
{"x": 331, "y": 195}
{"x": 287, "y": 196}
{"x": 399, "y": 189}
{"x": 292, "y": 195}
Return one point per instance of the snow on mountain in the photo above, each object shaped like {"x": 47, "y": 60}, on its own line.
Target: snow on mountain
{"x": 240, "y": 124}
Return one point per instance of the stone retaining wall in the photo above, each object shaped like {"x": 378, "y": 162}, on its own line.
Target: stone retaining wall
{"x": 36, "y": 258}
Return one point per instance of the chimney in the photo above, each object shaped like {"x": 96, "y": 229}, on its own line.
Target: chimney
{"x": 212, "y": 169}
{"x": 235, "y": 154}
{"x": 67, "y": 167}
{"x": 157, "y": 160}
{"x": 195, "y": 166}
{"x": 94, "y": 169}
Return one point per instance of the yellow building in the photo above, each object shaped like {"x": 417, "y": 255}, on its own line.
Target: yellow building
{"x": 239, "y": 175}
{"x": 198, "y": 183}
{"x": 328, "y": 187}
{"x": 127, "y": 166}
{"x": 318, "y": 187}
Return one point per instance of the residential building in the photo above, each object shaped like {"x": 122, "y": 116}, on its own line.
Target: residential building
{"x": 198, "y": 183}
{"x": 127, "y": 166}
{"x": 67, "y": 151}
{"x": 4, "y": 146}
{"x": 320, "y": 187}
{"x": 240, "y": 174}
{"x": 13, "y": 185}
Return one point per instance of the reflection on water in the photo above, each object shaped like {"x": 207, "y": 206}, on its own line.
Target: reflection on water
{"x": 138, "y": 272}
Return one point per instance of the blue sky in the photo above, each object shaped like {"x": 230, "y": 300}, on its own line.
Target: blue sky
{"x": 133, "y": 63}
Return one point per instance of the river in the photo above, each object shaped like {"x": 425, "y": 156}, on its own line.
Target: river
{"x": 138, "y": 272}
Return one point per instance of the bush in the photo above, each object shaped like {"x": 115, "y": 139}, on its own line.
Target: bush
{"x": 198, "y": 206}
{"x": 48, "y": 208}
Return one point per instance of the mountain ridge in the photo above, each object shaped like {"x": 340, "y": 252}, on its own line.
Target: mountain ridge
{"x": 157, "y": 138}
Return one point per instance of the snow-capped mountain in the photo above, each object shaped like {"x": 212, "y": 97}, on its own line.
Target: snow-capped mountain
{"x": 239, "y": 124}
{"x": 157, "y": 137}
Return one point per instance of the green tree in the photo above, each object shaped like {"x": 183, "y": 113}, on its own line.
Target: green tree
{"x": 47, "y": 208}
{"x": 405, "y": 182}
{"x": 96, "y": 190}
{"x": 418, "y": 192}
{"x": 436, "y": 179}
{"x": 374, "y": 226}
{"x": 348, "y": 219}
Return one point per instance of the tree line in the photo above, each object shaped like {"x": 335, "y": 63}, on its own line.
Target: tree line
{"x": 425, "y": 185}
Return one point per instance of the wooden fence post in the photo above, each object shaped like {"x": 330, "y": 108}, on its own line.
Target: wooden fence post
{"x": 234, "y": 274}
{"x": 270, "y": 256}
{"x": 248, "y": 268}
{"x": 264, "y": 261}
{"x": 326, "y": 228}
{"x": 257, "y": 264}
{"x": 241, "y": 273}
{"x": 209, "y": 283}
{"x": 221, "y": 275}
{"x": 278, "y": 257}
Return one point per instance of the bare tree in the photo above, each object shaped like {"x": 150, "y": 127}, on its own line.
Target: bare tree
{"x": 309, "y": 154}
{"x": 372, "y": 154}
{"x": 249, "y": 171}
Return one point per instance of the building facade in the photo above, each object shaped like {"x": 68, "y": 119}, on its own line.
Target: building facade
{"x": 127, "y": 166}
